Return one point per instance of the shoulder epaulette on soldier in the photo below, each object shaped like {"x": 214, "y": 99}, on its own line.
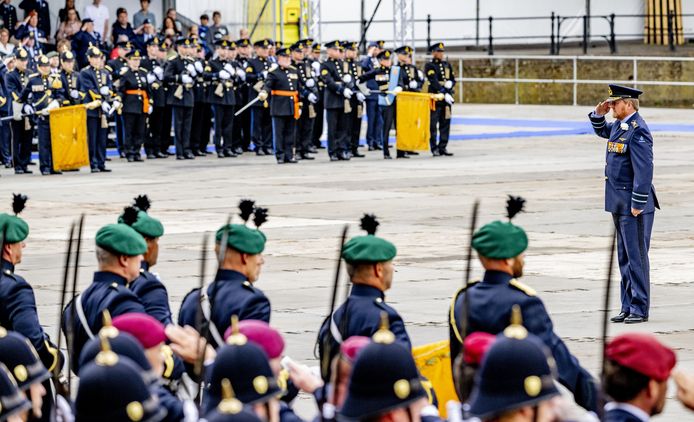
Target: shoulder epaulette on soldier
{"x": 123, "y": 70}
{"x": 522, "y": 287}
{"x": 33, "y": 75}
{"x": 108, "y": 68}
{"x": 247, "y": 284}
{"x": 451, "y": 312}
{"x": 290, "y": 67}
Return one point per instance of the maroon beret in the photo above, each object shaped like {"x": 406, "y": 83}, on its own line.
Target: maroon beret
{"x": 351, "y": 347}
{"x": 642, "y": 353}
{"x": 145, "y": 328}
{"x": 475, "y": 347}
{"x": 260, "y": 333}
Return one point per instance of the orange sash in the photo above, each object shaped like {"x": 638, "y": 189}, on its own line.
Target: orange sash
{"x": 293, "y": 94}
{"x": 145, "y": 97}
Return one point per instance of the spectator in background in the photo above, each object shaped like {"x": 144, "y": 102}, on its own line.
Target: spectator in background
{"x": 62, "y": 13}
{"x": 42, "y": 11}
{"x": 142, "y": 15}
{"x": 216, "y": 27}
{"x": 193, "y": 31}
{"x": 243, "y": 33}
{"x": 70, "y": 26}
{"x": 143, "y": 38}
{"x": 99, "y": 15}
{"x": 8, "y": 14}
{"x": 121, "y": 27}
{"x": 63, "y": 46}
{"x": 171, "y": 13}
{"x": 204, "y": 28}
{"x": 28, "y": 30}
{"x": 6, "y": 47}
{"x": 168, "y": 28}
{"x": 83, "y": 39}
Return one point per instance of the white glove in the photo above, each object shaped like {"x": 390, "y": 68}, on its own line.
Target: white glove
{"x": 191, "y": 69}
{"x": 159, "y": 72}
{"x": 361, "y": 97}
{"x": 316, "y": 67}
{"x": 198, "y": 67}
{"x": 104, "y": 90}
{"x": 17, "y": 111}
{"x": 347, "y": 93}
{"x": 75, "y": 94}
{"x": 448, "y": 84}
{"x": 106, "y": 107}
{"x": 448, "y": 98}
{"x": 241, "y": 74}
{"x": 412, "y": 84}
{"x": 397, "y": 90}
{"x": 63, "y": 411}
{"x": 310, "y": 83}
{"x": 262, "y": 95}
{"x": 314, "y": 73}
{"x": 312, "y": 98}
{"x": 230, "y": 69}
{"x": 116, "y": 105}
{"x": 224, "y": 75}
{"x": 52, "y": 106}
{"x": 347, "y": 78}
{"x": 151, "y": 78}
{"x": 186, "y": 79}
{"x": 420, "y": 74}
{"x": 264, "y": 73}
{"x": 150, "y": 109}
{"x": 28, "y": 109}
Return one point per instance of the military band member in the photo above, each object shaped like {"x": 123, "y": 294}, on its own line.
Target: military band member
{"x": 160, "y": 117}
{"x": 357, "y": 102}
{"x": 202, "y": 109}
{"x": 242, "y": 123}
{"x": 441, "y": 79}
{"x": 43, "y": 93}
{"x": 283, "y": 84}
{"x": 117, "y": 67}
{"x": 309, "y": 97}
{"x": 314, "y": 55}
{"x": 179, "y": 75}
{"x": 96, "y": 83}
{"x": 337, "y": 95}
{"x": 629, "y": 195}
{"x": 22, "y": 124}
{"x": 221, "y": 94}
{"x": 261, "y": 121}
{"x": 389, "y": 81}
{"x": 133, "y": 89}
{"x": 70, "y": 79}
{"x": 374, "y": 128}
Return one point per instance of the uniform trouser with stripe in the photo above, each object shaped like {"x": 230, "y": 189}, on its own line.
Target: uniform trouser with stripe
{"x": 242, "y": 130}
{"x": 304, "y": 130}
{"x": 223, "y": 127}
{"x": 97, "y": 137}
{"x": 156, "y": 130}
{"x": 354, "y": 127}
{"x": 338, "y": 124}
{"x": 182, "y": 118}
{"x": 438, "y": 118}
{"x": 21, "y": 144}
{"x": 135, "y": 127}
{"x": 318, "y": 122}
{"x": 374, "y": 123}
{"x": 261, "y": 132}
{"x": 633, "y": 242}
{"x": 45, "y": 154}
{"x": 283, "y": 135}
{"x": 5, "y": 142}
{"x": 200, "y": 126}
{"x": 387, "y": 114}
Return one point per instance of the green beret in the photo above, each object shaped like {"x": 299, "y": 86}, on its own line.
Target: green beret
{"x": 121, "y": 239}
{"x": 14, "y": 228}
{"x": 146, "y": 225}
{"x": 242, "y": 238}
{"x": 368, "y": 249}
{"x": 498, "y": 240}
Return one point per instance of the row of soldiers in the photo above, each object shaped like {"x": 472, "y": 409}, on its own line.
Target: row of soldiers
{"x": 287, "y": 92}
{"x": 222, "y": 360}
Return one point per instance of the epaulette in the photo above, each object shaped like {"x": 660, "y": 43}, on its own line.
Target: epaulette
{"x": 291, "y": 67}
{"x": 247, "y": 284}
{"x": 9, "y": 274}
{"x": 522, "y": 287}
{"x": 108, "y": 68}
{"x": 33, "y": 75}
{"x": 175, "y": 56}
{"x": 123, "y": 71}
{"x": 208, "y": 69}
{"x": 169, "y": 362}
{"x": 451, "y": 311}
{"x": 249, "y": 69}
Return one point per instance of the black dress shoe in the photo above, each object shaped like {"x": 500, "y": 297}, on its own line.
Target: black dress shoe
{"x": 378, "y": 147}
{"x": 96, "y": 170}
{"x": 188, "y": 156}
{"x": 19, "y": 171}
{"x": 162, "y": 155}
{"x": 446, "y": 153}
{"x": 56, "y": 172}
{"x": 198, "y": 154}
{"x": 312, "y": 150}
{"x": 280, "y": 161}
{"x": 333, "y": 158}
{"x": 238, "y": 151}
{"x": 290, "y": 160}
{"x": 229, "y": 153}
{"x": 131, "y": 159}
{"x": 138, "y": 158}
{"x": 320, "y": 146}
{"x": 620, "y": 317}
{"x": 436, "y": 153}
{"x": 104, "y": 170}
{"x": 356, "y": 154}
{"x": 387, "y": 157}
{"x": 122, "y": 155}
{"x": 260, "y": 152}
{"x": 305, "y": 156}
{"x": 179, "y": 157}
{"x": 267, "y": 151}
{"x": 371, "y": 148}
{"x": 45, "y": 173}
{"x": 635, "y": 319}
{"x": 412, "y": 152}
{"x": 402, "y": 154}
{"x": 220, "y": 155}
{"x": 151, "y": 156}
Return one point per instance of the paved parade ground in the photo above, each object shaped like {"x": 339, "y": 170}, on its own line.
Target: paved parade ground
{"x": 546, "y": 154}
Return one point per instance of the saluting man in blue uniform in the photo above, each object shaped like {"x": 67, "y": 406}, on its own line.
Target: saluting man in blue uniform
{"x": 629, "y": 195}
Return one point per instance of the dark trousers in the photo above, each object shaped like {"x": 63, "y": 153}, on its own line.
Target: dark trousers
{"x": 97, "y": 137}
{"x": 387, "y": 115}
{"x": 338, "y": 124}
{"x": 153, "y": 143}
{"x": 354, "y": 122}
{"x": 200, "y": 126}
{"x": 242, "y": 129}
{"x": 283, "y": 135}
{"x": 223, "y": 127}
{"x": 438, "y": 117}
{"x": 5, "y": 142}
{"x": 45, "y": 155}
{"x": 182, "y": 118}
{"x": 261, "y": 132}
{"x": 633, "y": 242}
{"x": 304, "y": 131}
{"x": 21, "y": 144}
{"x": 318, "y": 123}
{"x": 165, "y": 139}
{"x": 120, "y": 132}
{"x": 135, "y": 127}
{"x": 374, "y": 124}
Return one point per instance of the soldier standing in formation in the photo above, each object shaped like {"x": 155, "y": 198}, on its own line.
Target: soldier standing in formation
{"x": 256, "y": 74}
{"x": 97, "y": 85}
{"x": 178, "y": 75}
{"x": 356, "y": 103}
{"x": 308, "y": 97}
{"x": 22, "y": 125}
{"x": 222, "y": 76}
{"x": 441, "y": 79}
{"x": 134, "y": 91}
{"x": 337, "y": 96}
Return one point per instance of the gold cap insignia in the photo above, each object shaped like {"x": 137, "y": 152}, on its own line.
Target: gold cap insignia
{"x": 135, "y": 411}
{"x": 23, "y": 54}
{"x": 265, "y": 43}
{"x": 532, "y": 385}
{"x": 260, "y": 384}
{"x": 402, "y": 388}
{"x": 3, "y": 332}
{"x": 20, "y": 372}
{"x": 187, "y": 42}
{"x": 69, "y": 55}
{"x": 609, "y": 91}
{"x": 440, "y": 45}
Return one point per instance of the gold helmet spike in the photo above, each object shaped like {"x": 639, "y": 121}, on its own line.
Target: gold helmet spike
{"x": 108, "y": 330}
{"x": 106, "y": 356}
{"x": 516, "y": 329}
{"x": 229, "y": 405}
{"x": 236, "y": 338}
{"x": 384, "y": 335}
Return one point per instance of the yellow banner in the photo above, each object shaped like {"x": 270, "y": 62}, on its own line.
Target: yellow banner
{"x": 413, "y": 117}
{"x": 434, "y": 363}
{"x": 69, "y": 137}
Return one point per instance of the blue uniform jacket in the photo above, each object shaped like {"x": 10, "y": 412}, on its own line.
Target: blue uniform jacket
{"x": 620, "y": 415}
{"x": 108, "y": 291}
{"x": 367, "y": 65}
{"x": 489, "y": 311}
{"x": 153, "y": 295}
{"x": 41, "y": 90}
{"x": 629, "y": 165}
{"x": 173, "y": 406}
{"x": 18, "y": 313}
{"x": 233, "y": 295}
{"x": 92, "y": 80}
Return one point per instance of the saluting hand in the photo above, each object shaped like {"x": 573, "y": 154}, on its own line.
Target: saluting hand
{"x": 602, "y": 108}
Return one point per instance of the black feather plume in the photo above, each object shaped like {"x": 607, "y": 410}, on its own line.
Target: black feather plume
{"x": 259, "y": 217}
{"x": 143, "y": 203}
{"x": 130, "y": 215}
{"x": 246, "y": 206}
{"x": 369, "y": 223}
{"x": 514, "y": 205}
{"x": 18, "y": 202}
